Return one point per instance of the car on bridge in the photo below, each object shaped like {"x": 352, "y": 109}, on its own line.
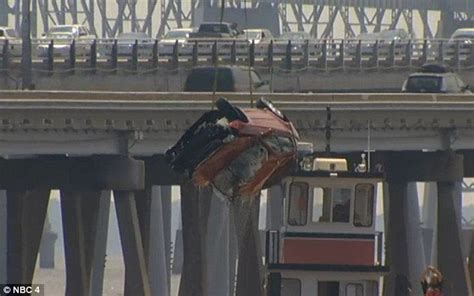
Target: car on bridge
{"x": 435, "y": 79}
{"x": 7, "y": 33}
{"x": 179, "y": 36}
{"x": 62, "y": 37}
{"x": 464, "y": 35}
{"x": 126, "y": 42}
{"x": 258, "y": 36}
{"x": 225, "y": 79}
{"x": 236, "y": 151}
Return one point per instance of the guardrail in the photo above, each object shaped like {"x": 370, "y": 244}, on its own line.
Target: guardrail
{"x": 109, "y": 55}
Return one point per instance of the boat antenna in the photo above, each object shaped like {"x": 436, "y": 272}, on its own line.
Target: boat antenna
{"x": 216, "y": 69}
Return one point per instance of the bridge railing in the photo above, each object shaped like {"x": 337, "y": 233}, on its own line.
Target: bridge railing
{"x": 279, "y": 55}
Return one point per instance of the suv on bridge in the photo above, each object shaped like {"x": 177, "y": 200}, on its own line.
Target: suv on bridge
{"x": 435, "y": 79}
{"x": 227, "y": 79}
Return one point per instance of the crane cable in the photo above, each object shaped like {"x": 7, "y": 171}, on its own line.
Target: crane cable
{"x": 216, "y": 69}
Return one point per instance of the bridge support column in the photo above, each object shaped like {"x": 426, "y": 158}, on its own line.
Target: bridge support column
{"x": 405, "y": 254}
{"x": 449, "y": 242}
{"x": 178, "y": 252}
{"x": 26, "y": 212}
{"x": 166, "y": 210}
{"x": 46, "y": 252}
{"x": 416, "y": 254}
{"x": 80, "y": 212}
{"x": 195, "y": 204}
{"x": 218, "y": 240}
{"x": 430, "y": 200}
{"x": 100, "y": 248}
{"x": 3, "y": 237}
{"x": 137, "y": 281}
{"x": 143, "y": 200}
{"x": 395, "y": 201}
{"x": 249, "y": 278}
{"x": 157, "y": 259}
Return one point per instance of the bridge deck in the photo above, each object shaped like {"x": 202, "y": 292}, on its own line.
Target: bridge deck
{"x": 86, "y": 123}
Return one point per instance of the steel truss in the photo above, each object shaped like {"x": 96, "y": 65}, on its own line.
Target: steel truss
{"x": 315, "y": 16}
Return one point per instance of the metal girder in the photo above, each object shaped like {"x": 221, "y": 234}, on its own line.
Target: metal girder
{"x": 66, "y": 11}
{"x": 348, "y": 32}
{"x": 124, "y": 14}
{"x": 329, "y": 30}
{"x": 173, "y": 14}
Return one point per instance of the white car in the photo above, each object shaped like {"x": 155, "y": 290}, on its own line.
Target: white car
{"x": 126, "y": 41}
{"x": 258, "y": 36}
{"x": 166, "y": 44}
{"x": 7, "y": 33}
{"x": 62, "y": 37}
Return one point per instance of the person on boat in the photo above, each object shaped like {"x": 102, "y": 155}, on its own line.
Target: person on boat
{"x": 432, "y": 282}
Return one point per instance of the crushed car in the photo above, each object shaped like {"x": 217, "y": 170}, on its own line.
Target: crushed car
{"x": 237, "y": 151}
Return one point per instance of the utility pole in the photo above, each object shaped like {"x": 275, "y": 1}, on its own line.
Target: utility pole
{"x": 26, "y": 46}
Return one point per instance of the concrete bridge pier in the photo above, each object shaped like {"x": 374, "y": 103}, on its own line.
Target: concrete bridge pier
{"x": 26, "y": 212}
{"x": 80, "y": 212}
{"x": 84, "y": 203}
{"x": 218, "y": 248}
{"x": 430, "y": 201}
{"x": 405, "y": 254}
{"x": 100, "y": 250}
{"x": 166, "y": 210}
{"x": 137, "y": 280}
{"x": 451, "y": 261}
{"x": 195, "y": 206}
{"x": 158, "y": 266}
{"x": 404, "y": 240}
{"x": 249, "y": 269}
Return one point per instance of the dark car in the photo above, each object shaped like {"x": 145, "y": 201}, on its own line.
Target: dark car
{"x": 237, "y": 151}
{"x": 225, "y": 79}
{"x": 435, "y": 79}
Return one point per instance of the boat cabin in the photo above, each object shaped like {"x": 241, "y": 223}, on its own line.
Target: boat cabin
{"x": 327, "y": 244}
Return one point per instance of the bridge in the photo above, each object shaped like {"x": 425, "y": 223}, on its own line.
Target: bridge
{"x": 316, "y": 65}
{"x": 89, "y": 143}
{"x": 106, "y": 19}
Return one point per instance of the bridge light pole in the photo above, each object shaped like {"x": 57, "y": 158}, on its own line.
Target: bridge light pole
{"x": 26, "y": 46}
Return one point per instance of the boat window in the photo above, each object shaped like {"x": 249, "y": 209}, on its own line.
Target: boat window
{"x": 328, "y": 288}
{"x": 290, "y": 287}
{"x": 341, "y": 204}
{"x": 298, "y": 204}
{"x": 321, "y": 204}
{"x": 354, "y": 290}
{"x": 331, "y": 204}
{"x": 364, "y": 205}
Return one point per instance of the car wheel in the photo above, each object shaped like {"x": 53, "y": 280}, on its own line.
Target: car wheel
{"x": 229, "y": 111}
{"x": 263, "y": 103}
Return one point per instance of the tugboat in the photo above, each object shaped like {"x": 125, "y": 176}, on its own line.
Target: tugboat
{"x": 327, "y": 244}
